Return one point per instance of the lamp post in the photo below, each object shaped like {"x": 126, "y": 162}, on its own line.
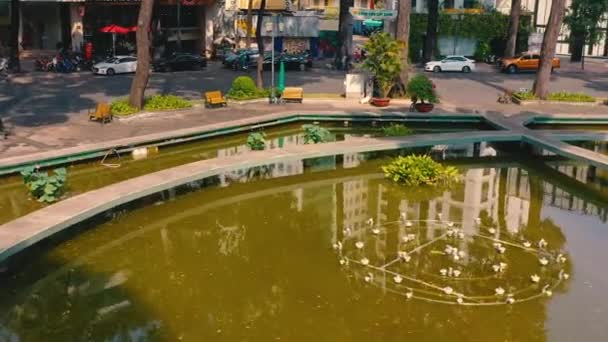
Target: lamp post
{"x": 275, "y": 26}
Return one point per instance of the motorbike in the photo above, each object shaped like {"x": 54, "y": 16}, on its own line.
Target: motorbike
{"x": 4, "y": 67}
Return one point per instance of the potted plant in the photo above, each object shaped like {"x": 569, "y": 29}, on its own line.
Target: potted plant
{"x": 420, "y": 88}
{"x": 383, "y": 60}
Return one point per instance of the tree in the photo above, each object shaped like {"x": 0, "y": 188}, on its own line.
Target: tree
{"x": 403, "y": 35}
{"x": 345, "y": 26}
{"x": 513, "y": 26}
{"x": 556, "y": 16}
{"x": 430, "y": 41}
{"x": 142, "y": 74}
{"x": 260, "y": 40}
{"x": 249, "y": 24}
{"x": 582, "y": 20}
{"x": 14, "y": 38}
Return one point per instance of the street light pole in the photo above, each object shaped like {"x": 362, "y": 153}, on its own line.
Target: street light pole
{"x": 273, "y": 97}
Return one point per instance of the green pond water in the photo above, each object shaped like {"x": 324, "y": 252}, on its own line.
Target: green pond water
{"x": 278, "y": 254}
{"x": 82, "y": 177}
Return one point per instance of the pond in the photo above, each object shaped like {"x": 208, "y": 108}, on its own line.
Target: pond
{"x": 327, "y": 249}
{"x": 82, "y": 177}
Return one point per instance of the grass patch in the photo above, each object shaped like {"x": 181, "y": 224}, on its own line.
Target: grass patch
{"x": 525, "y": 95}
{"x": 396, "y": 130}
{"x": 242, "y": 96}
{"x": 562, "y": 96}
{"x": 570, "y": 97}
{"x": 121, "y": 107}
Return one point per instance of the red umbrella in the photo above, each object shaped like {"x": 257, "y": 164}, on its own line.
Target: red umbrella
{"x": 118, "y": 29}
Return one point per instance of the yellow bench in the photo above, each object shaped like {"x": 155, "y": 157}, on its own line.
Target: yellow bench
{"x": 293, "y": 94}
{"x": 102, "y": 113}
{"x": 214, "y": 98}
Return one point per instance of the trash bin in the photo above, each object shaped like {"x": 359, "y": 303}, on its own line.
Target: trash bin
{"x": 354, "y": 86}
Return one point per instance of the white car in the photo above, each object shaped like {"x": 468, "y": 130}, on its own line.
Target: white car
{"x": 451, "y": 63}
{"x": 116, "y": 65}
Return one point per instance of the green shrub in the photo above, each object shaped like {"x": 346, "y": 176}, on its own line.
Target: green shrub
{"x": 570, "y": 97}
{"x": 43, "y": 187}
{"x": 244, "y": 88}
{"x": 525, "y": 95}
{"x": 122, "y": 107}
{"x": 415, "y": 170}
{"x": 316, "y": 134}
{"x": 256, "y": 141}
{"x": 396, "y": 130}
{"x": 383, "y": 60}
{"x": 420, "y": 88}
{"x": 166, "y": 102}
{"x": 482, "y": 50}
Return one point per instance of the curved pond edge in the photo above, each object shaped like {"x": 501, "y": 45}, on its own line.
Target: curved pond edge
{"x": 97, "y": 150}
{"x": 25, "y": 231}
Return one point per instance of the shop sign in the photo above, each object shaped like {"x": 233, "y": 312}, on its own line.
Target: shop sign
{"x": 375, "y": 14}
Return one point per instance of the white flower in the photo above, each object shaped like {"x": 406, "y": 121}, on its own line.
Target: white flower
{"x": 461, "y": 254}
{"x": 443, "y": 272}
{"x": 456, "y": 273}
{"x": 409, "y": 295}
{"x": 370, "y": 221}
{"x": 478, "y": 220}
{"x": 499, "y": 291}
{"x": 403, "y": 216}
{"x": 496, "y": 268}
{"x": 449, "y": 232}
{"x": 397, "y": 279}
{"x": 404, "y": 256}
{"x": 535, "y": 278}
{"x": 510, "y": 300}
{"x": 408, "y": 224}
{"x": 561, "y": 258}
{"x": 346, "y": 231}
{"x": 411, "y": 237}
{"x": 448, "y": 249}
{"x": 450, "y": 224}
{"x": 365, "y": 261}
{"x": 459, "y": 300}
{"x": 527, "y": 244}
{"x": 338, "y": 246}
{"x": 491, "y": 230}
{"x": 543, "y": 261}
{"x": 375, "y": 231}
{"x": 369, "y": 278}
{"x": 343, "y": 261}
{"x": 566, "y": 275}
{"x": 359, "y": 244}
{"x": 549, "y": 293}
{"x": 448, "y": 290}
{"x": 542, "y": 243}
{"x": 461, "y": 235}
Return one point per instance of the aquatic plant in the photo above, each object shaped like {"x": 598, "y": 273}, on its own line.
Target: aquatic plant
{"x": 256, "y": 141}
{"x": 44, "y": 187}
{"x": 415, "y": 170}
{"x": 396, "y": 130}
{"x": 315, "y": 134}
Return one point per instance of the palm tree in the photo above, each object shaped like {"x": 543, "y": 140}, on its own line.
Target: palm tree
{"x": 513, "y": 26}
{"x": 142, "y": 75}
{"x": 431, "y": 30}
{"x": 14, "y": 38}
{"x": 556, "y": 17}
{"x": 403, "y": 35}
{"x": 260, "y": 40}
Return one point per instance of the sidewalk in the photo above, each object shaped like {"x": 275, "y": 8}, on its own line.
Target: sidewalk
{"x": 78, "y": 130}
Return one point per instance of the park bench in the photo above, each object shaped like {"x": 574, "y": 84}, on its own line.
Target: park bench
{"x": 214, "y": 98}
{"x": 101, "y": 113}
{"x": 293, "y": 94}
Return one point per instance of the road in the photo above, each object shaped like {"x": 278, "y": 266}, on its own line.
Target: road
{"x": 37, "y": 98}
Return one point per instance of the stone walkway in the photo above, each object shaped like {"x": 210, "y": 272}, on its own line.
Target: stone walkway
{"x": 77, "y": 130}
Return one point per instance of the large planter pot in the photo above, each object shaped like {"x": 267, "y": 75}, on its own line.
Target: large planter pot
{"x": 381, "y": 102}
{"x": 423, "y": 107}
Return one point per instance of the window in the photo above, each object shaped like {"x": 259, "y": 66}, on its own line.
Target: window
{"x": 535, "y": 57}
{"x": 448, "y": 4}
{"x": 526, "y": 57}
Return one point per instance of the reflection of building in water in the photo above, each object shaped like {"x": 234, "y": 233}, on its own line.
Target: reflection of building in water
{"x": 562, "y": 199}
{"x": 273, "y": 170}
